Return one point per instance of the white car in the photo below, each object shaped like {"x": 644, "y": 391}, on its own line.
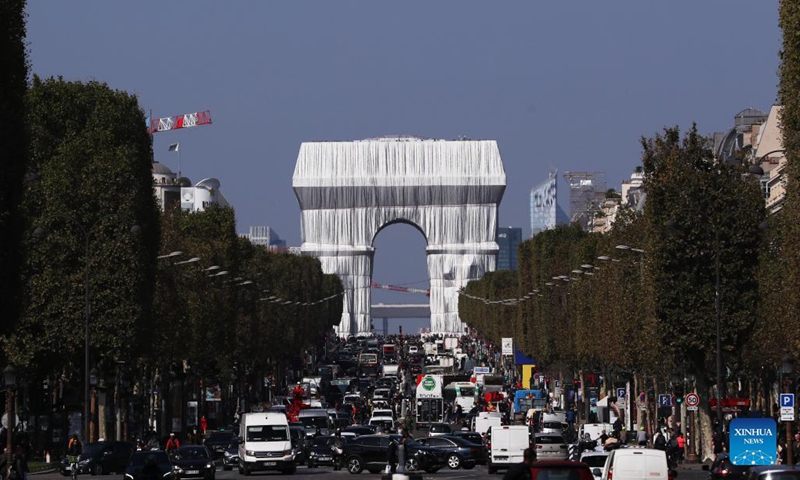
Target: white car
{"x": 596, "y": 461}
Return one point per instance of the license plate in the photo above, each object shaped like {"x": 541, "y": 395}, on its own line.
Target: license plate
{"x": 68, "y": 468}
{"x": 270, "y": 464}
{"x": 324, "y": 458}
{"x": 501, "y": 458}
{"x": 192, "y": 472}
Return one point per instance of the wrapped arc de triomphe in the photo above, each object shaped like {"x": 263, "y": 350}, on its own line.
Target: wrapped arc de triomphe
{"x": 448, "y": 190}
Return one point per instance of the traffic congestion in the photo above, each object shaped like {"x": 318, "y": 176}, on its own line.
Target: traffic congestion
{"x": 395, "y": 405}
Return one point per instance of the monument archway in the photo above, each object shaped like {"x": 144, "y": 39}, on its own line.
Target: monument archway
{"x": 449, "y": 190}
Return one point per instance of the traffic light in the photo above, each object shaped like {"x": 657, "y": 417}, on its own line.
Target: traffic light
{"x": 679, "y": 393}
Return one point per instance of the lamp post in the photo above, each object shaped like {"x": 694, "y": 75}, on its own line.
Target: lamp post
{"x": 135, "y": 230}
{"x": 10, "y": 382}
{"x": 787, "y": 369}
{"x": 93, "y": 374}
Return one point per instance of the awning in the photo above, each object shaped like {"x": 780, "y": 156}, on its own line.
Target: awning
{"x": 522, "y": 359}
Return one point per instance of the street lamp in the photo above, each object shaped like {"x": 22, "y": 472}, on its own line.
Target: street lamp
{"x": 10, "y": 382}
{"x": 40, "y": 232}
{"x": 93, "y": 374}
{"x": 787, "y": 369}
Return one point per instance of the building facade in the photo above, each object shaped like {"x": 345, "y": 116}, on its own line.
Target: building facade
{"x": 508, "y": 239}
{"x": 172, "y": 191}
{"x": 545, "y": 211}
{"x": 265, "y": 236}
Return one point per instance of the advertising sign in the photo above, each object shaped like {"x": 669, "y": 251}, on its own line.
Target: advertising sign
{"x": 430, "y": 387}
{"x": 753, "y": 441}
{"x": 507, "y": 345}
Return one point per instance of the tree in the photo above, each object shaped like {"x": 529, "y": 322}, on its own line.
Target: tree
{"x": 91, "y": 155}
{"x": 13, "y": 84}
{"x": 703, "y": 217}
{"x": 789, "y": 97}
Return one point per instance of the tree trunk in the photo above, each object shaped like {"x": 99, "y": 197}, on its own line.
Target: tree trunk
{"x": 706, "y": 426}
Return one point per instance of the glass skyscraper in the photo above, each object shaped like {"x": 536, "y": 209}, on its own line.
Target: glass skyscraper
{"x": 508, "y": 239}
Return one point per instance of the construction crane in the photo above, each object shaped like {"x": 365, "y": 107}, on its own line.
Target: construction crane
{"x": 187, "y": 120}
{"x": 395, "y": 288}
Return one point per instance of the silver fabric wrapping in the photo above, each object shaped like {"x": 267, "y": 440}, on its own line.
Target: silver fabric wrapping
{"x": 448, "y": 190}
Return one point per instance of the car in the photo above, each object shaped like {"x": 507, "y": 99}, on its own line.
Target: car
{"x": 439, "y": 429}
{"x": 359, "y": 430}
{"x": 230, "y": 457}
{"x": 553, "y": 427}
{"x": 193, "y": 461}
{"x": 723, "y": 469}
{"x": 773, "y": 472}
{"x": 551, "y": 446}
{"x": 321, "y": 451}
{"x": 383, "y": 424}
{"x": 413, "y": 350}
{"x": 637, "y": 463}
{"x": 460, "y": 452}
{"x": 557, "y": 469}
{"x": 299, "y": 443}
{"x": 473, "y": 437}
{"x": 596, "y": 461}
{"x": 146, "y": 465}
{"x": 217, "y": 442}
{"x": 101, "y": 457}
{"x": 369, "y": 452}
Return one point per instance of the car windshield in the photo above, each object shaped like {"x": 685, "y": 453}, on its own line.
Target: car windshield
{"x": 220, "y": 437}
{"x": 314, "y": 422}
{"x": 140, "y": 459}
{"x": 440, "y": 428}
{"x": 191, "y": 453}
{"x": 267, "y": 433}
{"x": 553, "y": 425}
{"x": 321, "y": 441}
{"x": 93, "y": 448}
{"x": 594, "y": 460}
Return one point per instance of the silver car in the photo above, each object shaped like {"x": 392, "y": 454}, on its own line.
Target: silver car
{"x": 551, "y": 446}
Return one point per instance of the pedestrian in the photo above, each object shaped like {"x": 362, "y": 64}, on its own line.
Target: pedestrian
{"x": 641, "y": 437}
{"x": 681, "y": 447}
{"x": 659, "y": 442}
{"x": 617, "y": 428}
{"x": 338, "y": 449}
{"x": 203, "y": 425}
{"x": 522, "y": 471}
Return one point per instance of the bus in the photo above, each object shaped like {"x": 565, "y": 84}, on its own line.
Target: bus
{"x": 461, "y": 393}
{"x": 368, "y": 364}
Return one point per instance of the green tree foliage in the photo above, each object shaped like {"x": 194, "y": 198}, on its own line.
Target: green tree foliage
{"x": 90, "y": 152}
{"x": 198, "y": 311}
{"x": 699, "y": 211}
{"x": 13, "y": 83}
{"x": 789, "y": 97}
{"x": 493, "y": 320}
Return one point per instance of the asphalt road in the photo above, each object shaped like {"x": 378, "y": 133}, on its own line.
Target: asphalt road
{"x": 303, "y": 473}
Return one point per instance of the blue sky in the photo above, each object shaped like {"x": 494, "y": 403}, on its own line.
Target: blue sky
{"x": 564, "y": 84}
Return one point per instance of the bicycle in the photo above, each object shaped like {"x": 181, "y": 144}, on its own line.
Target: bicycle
{"x": 73, "y": 466}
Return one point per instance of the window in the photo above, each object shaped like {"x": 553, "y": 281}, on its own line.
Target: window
{"x": 267, "y": 433}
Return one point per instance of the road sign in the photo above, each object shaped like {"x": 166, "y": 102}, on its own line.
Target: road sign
{"x": 620, "y": 393}
{"x": 507, "y": 346}
{"x": 481, "y": 370}
{"x": 787, "y": 407}
{"x": 664, "y": 400}
{"x": 692, "y": 408}
{"x": 692, "y": 400}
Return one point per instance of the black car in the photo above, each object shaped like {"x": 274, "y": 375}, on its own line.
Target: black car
{"x": 101, "y": 457}
{"x": 371, "y": 452}
{"x": 217, "y": 442}
{"x": 149, "y": 465}
{"x": 299, "y": 444}
{"x": 473, "y": 437}
{"x": 723, "y": 469}
{"x": 461, "y": 453}
{"x": 193, "y": 461}
{"x": 230, "y": 457}
{"x": 360, "y": 430}
{"x": 321, "y": 451}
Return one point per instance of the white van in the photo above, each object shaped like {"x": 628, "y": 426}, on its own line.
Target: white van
{"x": 635, "y": 464}
{"x": 265, "y": 443}
{"x": 595, "y": 430}
{"x": 507, "y": 446}
{"x": 482, "y": 422}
